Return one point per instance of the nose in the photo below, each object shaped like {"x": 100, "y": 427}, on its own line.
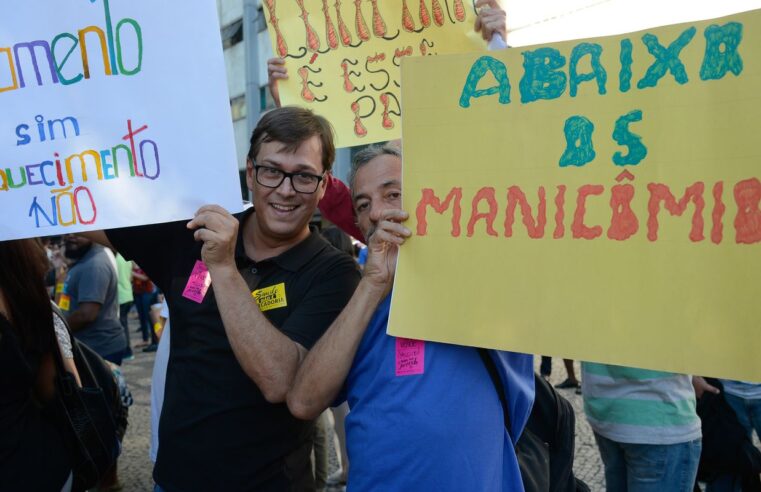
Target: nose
{"x": 286, "y": 187}
{"x": 375, "y": 213}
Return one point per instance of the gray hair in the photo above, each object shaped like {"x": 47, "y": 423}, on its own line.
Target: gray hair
{"x": 368, "y": 154}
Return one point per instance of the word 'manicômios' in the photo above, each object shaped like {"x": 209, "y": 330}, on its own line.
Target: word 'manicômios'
{"x": 623, "y": 223}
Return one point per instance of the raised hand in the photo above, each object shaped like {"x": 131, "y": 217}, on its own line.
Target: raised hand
{"x": 383, "y": 248}
{"x": 491, "y": 19}
{"x": 276, "y": 71}
{"x": 218, "y": 230}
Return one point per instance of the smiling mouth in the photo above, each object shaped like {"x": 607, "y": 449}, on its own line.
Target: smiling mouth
{"x": 283, "y": 208}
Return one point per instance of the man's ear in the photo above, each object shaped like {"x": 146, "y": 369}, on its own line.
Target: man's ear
{"x": 324, "y": 184}
{"x": 250, "y": 181}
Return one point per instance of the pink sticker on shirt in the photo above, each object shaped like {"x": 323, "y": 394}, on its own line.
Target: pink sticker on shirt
{"x": 198, "y": 283}
{"x": 410, "y": 357}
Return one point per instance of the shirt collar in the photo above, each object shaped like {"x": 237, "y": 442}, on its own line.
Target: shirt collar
{"x": 292, "y": 259}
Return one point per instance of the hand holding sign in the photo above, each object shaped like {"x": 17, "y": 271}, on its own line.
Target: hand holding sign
{"x": 276, "y": 70}
{"x": 491, "y": 19}
{"x": 219, "y": 231}
{"x": 383, "y": 248}
{"x": 615, "y": 216}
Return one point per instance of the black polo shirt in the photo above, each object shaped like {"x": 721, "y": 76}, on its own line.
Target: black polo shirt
{"x": 217, "y": 432}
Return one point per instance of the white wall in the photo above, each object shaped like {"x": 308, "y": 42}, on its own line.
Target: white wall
{"x": 229, "y": 11}
{"x": 235, "y": 63}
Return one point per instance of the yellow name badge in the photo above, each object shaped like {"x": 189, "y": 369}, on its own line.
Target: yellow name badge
{"x": 271, "y": 297}
{"x": 64, "y": 302}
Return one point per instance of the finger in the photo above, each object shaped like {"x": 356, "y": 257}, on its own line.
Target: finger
{"x": 495, "y": 26}
{"x": 477, "y": 26}
{"x": 491, "y": 19}
{"x": 491, "y": 14}
{"x": 204, "y": 235}
{"x": 204, "y": 221}
{"x": 276, "y": 70}
{"x": 214, "y": 208}
{"x": 381, "y": 236}
{"x": 276, "y": 61}
{"x": 394, "y": 215}
{"x": 212, "y": 217}
{"x": 488, "y": 3}
{"x": 395, "y": 228}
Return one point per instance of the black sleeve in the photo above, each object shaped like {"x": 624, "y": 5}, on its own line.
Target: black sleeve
{"x": 153, "y": 247}
{"x": 326, "y": 298}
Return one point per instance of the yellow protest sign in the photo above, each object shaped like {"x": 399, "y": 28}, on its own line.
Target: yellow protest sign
{"x": 343, "y": 58}
{"x": 596, "y": 199}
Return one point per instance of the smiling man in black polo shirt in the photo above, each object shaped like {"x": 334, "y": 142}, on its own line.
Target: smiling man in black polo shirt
{"x": 248, "y": 296}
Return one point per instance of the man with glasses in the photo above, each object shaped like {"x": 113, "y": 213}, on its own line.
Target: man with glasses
{"x": 248, "y": 295}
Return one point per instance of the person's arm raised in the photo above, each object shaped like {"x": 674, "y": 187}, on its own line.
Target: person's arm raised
{"x": 321, "y": 375}
{"x": 266, "y": 355}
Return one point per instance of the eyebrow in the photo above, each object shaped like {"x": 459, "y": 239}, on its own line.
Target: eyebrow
{"x": 299, "y": 167}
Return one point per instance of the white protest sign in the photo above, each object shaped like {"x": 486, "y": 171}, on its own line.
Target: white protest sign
{"x": 113, "y": 114}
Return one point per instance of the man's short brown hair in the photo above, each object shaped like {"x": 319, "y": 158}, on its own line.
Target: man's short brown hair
{"x": 292, "y": 126}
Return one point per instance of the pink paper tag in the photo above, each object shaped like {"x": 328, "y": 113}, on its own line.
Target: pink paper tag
{"x": 410, "y": 357}
{"x": 198, "y": 283}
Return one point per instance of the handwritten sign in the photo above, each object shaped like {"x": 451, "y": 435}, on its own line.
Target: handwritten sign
{"x": 595, "y": 200}
{"x": 198, "y": 283}
{"x": 410, "y": 357}
{"x": 343, "y": 58}
{"x": 114, "y": 114}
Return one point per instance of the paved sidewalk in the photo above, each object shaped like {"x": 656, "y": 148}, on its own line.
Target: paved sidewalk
{"x": 135, "y": 466}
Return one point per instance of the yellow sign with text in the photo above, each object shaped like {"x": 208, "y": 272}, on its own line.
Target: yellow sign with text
{"x": 595, "y": 199}
{"x": 343, "y": 59}
{"x": 272, "y": 297}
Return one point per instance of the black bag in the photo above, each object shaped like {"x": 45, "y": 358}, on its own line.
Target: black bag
{"x": 545, "y": 449}
{"x": 727, "y": 449}
{"x": 88, "y": 415}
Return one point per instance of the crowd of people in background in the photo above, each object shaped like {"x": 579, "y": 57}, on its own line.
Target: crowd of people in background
{"x": 278, "y": 340}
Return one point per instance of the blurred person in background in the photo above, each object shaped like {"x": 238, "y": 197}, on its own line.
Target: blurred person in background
{"x": 145, "y": 293}
{"x": 89, "y": 299}
{"x": 32, "y": 451}
{"x": 126, "y": 299}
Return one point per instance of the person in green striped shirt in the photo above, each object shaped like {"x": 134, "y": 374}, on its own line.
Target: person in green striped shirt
{"x": 645, "y": 425}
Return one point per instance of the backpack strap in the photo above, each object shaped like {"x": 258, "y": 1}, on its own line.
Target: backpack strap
{"x": 491, "y": 368}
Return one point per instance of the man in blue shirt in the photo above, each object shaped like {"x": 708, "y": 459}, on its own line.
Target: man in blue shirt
{"x": 424, "y": 415}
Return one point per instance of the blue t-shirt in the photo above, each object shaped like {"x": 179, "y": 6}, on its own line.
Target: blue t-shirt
{"x": 439, "y": 425}
{"x": 93, "y": 279}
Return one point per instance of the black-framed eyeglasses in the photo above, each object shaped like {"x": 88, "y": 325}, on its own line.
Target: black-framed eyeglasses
{"x": 272, "y": 177}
